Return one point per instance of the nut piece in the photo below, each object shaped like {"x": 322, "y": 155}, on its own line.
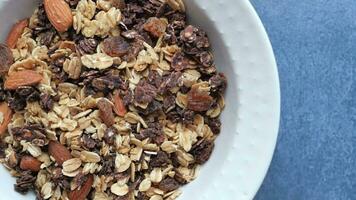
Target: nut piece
{"x": 156, "y": 27}
{"x": 59, "y": 152}
{"x": 105, "y": 111}
{"x": 59, "y": 14}
{"x": 30, "y": 163}
{"x": 6, "y": 58}
{"x": 119, "y": 107}
{"x": 22, "y": 78}
{"x": 82, "y": 192}
{"x": 5, "y": 117}
{"x": 16, "y": 33}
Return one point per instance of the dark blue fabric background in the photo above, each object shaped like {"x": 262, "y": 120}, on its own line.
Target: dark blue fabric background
{"x": 315, "y": 46}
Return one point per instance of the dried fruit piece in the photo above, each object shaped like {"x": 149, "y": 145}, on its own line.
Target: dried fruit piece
{"x": 16, "y": 33}
{"x": 106, "y": 113}
{"x": 199, "y": 101}
{"x": 155, "y": 26}
{"x": 119, "y": 107}
{"x": 168, "y": 184}
{"x": 82, "y": 192}
{"x": 115, "y": 46}
{"x": 22, "y": 78}
{"x": 87, "y": 46}
{"x": 30, "y": 163}
{"x": 6, "y": 58}
{"x": 59, "y": 152}
{"x": 202, "y": 151}
{"x": 5, "y": 117}
{"x": 145, "y": 92}
{"x": 179, "y": 61}
{"x": 59, "y": 14}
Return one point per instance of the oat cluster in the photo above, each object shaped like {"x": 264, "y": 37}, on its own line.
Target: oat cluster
{"x": 123, "y": 105}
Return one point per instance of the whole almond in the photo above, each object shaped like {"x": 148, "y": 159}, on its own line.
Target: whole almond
{"x": 105, "y": 112}
{"x": 16, "y": 32}
{"x": 30, "y": 163}
{"x": 22, "y": 78}
{"x": 119, "y": 107}
{"x": 59, "y": 14}
{"x": 59, "y": 152}
{"x": 6, "y": 58}
{"x": 82, "y": 192}
{"x": 6, "y": 113}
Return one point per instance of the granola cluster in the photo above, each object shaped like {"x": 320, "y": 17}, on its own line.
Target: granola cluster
{"x": 123, "y": 105}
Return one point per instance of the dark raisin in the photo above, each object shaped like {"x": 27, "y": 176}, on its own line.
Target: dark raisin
{"x": 215, "y": 125}
{"x": 179, "y": 61}
{"x": 145, "y": 92}
{"x": 115, "y": 46}
{"x": 202, "y": 151}
{"x": 168, "y": 184}
{"x": 159, "y": 160}
{"x": 218, "y": 83}
{"x": 87, "y": 46}
{"x": 46, "y": 102}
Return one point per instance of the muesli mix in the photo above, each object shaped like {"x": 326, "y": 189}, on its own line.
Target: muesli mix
{"x": 107, "y": 100}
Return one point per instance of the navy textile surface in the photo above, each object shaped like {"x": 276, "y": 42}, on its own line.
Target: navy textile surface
{"x": 315, "y": 46}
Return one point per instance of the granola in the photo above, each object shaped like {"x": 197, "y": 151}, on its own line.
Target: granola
{"x": 123, "y": 105}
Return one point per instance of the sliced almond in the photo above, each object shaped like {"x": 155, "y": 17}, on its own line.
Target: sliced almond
{"x": 22, "y": 78}
{"x": 16, "y": 32}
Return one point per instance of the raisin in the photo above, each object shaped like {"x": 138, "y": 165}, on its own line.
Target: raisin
{"x": 87, "y": 46}
{"x": 168, "y": 184}
{"x": 106, "y": 112}
{"x": 218, "y": 83}
{"x": 46, "y": 102}
{"x": 179, "y": 61}
{"x": 202, "y": 151}
{"x": 145, "y": 92}
{"x": 160, "y": 160}
{"x": 115, "y": 46}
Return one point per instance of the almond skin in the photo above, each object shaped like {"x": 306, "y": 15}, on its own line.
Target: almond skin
{"x": 83, "y": 191}
{"x": 16, "y": 33}
{"x": 59, "y": 152}
{"x": 22, "y": 78}
{"x": 7, "y": 115}
{"x": 119, "y": 107}
{"x": 59, "y": 14}
{"x": 30, "y": 163}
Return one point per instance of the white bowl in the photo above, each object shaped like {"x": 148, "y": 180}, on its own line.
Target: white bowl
{"x": 250, "y": 121}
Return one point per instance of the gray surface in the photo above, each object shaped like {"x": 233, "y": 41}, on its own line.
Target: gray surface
{"x": 315, "y": 47}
